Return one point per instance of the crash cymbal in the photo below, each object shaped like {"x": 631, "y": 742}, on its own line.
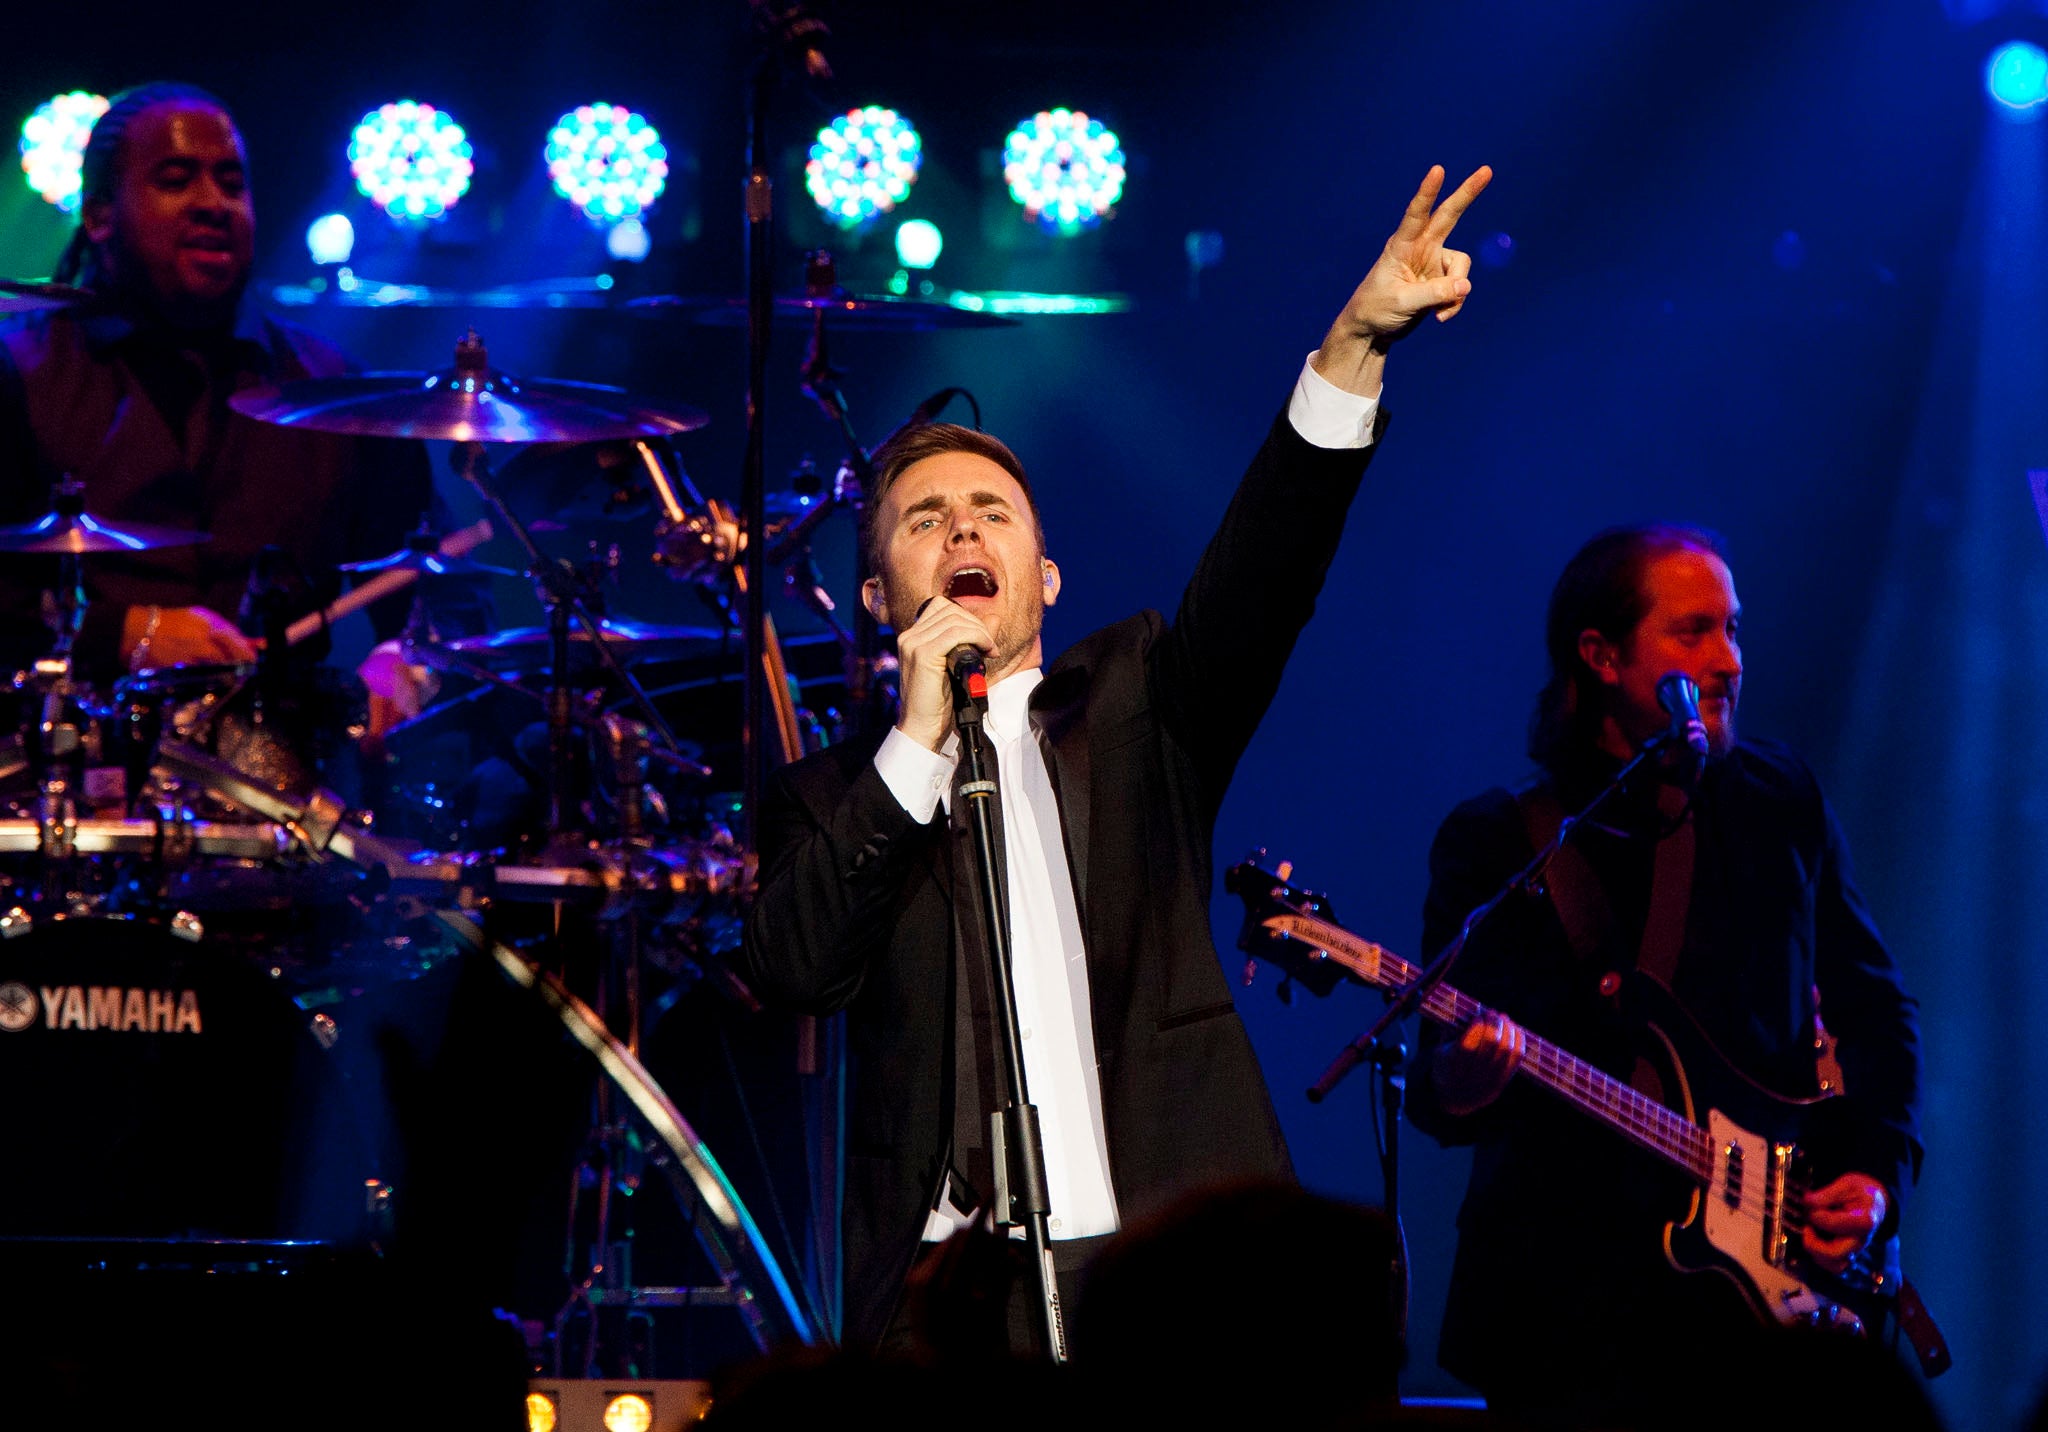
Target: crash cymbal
{"x": 526, "y": 648}
{"x": 27, "y": 296}
{"x": 844, "y": 312}
{"x": 466, "y": 403}
{"x": 81, "y": 533}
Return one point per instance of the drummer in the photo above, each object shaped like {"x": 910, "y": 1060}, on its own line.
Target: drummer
{"x": 130, "y": 394}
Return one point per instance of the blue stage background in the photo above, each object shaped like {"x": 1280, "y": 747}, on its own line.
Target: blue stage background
{"x": 1772, "y": 269}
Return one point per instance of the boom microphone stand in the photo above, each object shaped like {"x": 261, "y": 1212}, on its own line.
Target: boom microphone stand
{"x": 1685, "y": 739}
{"x": 1017, "y": 1147}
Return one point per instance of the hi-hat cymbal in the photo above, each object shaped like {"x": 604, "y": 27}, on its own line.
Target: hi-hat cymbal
{"x": 844, "y": 312}
{"x": 526, "y": 648}
{"x": 466, "y": 403}
{"x": 81, "y": 533}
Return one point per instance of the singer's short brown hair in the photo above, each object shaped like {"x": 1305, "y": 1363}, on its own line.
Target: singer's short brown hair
{"x": 914, "y": 445}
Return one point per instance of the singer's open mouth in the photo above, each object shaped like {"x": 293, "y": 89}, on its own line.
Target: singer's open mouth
{"x": 970, "y": 582}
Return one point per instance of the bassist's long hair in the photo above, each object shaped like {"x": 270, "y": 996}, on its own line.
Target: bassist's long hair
{"x": 1601, "y": 588}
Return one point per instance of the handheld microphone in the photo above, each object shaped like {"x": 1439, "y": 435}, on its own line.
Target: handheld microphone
{"x": 967, "y": 667}
{"x": 964, "y": 663}
{"x": 1679, "y": 695}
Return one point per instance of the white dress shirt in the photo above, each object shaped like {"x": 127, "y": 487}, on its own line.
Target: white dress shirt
{"x": 1049, "y": 962}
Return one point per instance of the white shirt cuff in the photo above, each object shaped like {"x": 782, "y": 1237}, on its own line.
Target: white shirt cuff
{"x": 915, "y": 776}
{"x": 1327, "y": 416}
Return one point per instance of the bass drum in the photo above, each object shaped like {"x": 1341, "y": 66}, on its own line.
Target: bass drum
{"x": 166, "y": 1087}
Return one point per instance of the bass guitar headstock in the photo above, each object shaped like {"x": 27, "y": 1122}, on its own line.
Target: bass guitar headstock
{"x": 1266, "y": 893}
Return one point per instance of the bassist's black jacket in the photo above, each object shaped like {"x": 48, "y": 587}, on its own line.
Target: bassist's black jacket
{"x": 1143, "y": 723}
{"x": 1560, "y": 1287}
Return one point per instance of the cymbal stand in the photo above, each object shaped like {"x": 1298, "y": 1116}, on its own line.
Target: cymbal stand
{"x": 760, "y": 211}
{"x": 558, "y": 588}
{"x": 855, "y": 481}
{"x": 612, "y": 1162}
{"x": 58, "y": 749}
{"x": 787, "y": 36}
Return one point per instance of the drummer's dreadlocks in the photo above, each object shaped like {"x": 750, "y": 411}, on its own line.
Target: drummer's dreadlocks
{"x": 99, "y": 168}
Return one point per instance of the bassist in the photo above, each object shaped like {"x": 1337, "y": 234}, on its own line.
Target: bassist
{"x": 1732, "y": 885}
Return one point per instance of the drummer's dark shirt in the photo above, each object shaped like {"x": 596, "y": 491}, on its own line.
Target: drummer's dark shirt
{"x": 139, "y": 413}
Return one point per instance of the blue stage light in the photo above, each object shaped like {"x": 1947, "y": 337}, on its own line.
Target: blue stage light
{"x": 607, "y": 160}
{"x": 1065, "y": 169}
{"x": 628, "y": 241}
{"x": 919, "y": 244}
{"x": 2017, "y": 75}
{"x": 53, "y": 145}
{"x": 1204, "y": 248}
{"x": 863, "y": 164}
{"x": 330, "y": 239}
{"x": 412, "y": 160}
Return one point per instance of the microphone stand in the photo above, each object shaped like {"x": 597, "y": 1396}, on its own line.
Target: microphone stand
{"x": 1526, "y": 880}
{"x": 786, "y": 35}
{"x": 760, "y": 211}
{"x": 1017, "y": 1147}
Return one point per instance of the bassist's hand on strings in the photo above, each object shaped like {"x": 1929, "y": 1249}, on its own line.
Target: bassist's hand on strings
{"x": 1841, "y": 1218}
{"x": 1471, "y": 1071}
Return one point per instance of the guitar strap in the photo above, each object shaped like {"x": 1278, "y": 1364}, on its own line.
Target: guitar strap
{"x": 1583, "y": 906}
{"x": 1580, "y": 902}
{"x": 1670, "y": 889}
{"x": 1588, "y": 915}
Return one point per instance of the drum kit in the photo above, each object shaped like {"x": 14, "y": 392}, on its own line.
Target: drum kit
{"x": 567, "y": 812}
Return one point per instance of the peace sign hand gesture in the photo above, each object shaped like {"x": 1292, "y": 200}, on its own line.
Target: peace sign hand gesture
{"x": 1415, "y": 274}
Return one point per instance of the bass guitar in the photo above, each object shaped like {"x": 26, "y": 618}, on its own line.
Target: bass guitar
{"x": 1736, "y": 1142}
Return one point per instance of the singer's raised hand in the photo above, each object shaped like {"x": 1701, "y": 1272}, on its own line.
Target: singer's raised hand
{"x": 1414, "y": 274}
{"x": 922, "y": 649}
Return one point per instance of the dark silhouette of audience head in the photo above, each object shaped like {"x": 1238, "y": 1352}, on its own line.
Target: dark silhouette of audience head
{"x": 1261, "y": 1301}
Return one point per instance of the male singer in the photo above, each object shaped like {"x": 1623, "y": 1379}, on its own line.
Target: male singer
{"x": 1112, "y": 762}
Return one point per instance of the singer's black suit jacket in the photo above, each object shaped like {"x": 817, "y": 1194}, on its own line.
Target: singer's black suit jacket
{"x": 1143, "y": 723}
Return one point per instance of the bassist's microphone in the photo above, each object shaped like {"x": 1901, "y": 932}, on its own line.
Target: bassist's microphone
{"x": 1685, "y": 740}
